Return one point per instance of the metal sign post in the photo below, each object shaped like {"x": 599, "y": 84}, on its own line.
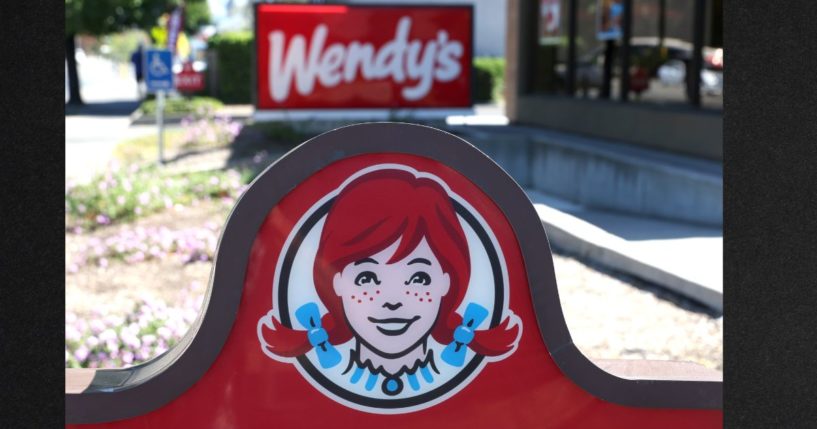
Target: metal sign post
{"x": 160, "y": 107}
{"x": 159, "y": 78}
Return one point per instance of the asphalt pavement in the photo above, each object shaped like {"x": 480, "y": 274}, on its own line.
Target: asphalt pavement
{"x": 93, "y": 130}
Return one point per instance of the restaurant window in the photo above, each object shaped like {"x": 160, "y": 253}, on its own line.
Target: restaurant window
{"x": 550, "y": 47}
{"x": 662, "y": 36}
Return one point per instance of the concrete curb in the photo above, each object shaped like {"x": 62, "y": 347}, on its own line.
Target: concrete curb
{"x": 573, "y": 235}
{"x": 606, "y": 175}
{"x": 139, "y": 118}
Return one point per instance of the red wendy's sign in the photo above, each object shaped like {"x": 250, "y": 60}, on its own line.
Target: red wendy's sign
{"x": 346, "y": 56}
{"x": 367, "y": 281}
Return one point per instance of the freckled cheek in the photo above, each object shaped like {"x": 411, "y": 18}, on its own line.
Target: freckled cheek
{"x": 361, "y": 297}
{"x": 427, "y": 296}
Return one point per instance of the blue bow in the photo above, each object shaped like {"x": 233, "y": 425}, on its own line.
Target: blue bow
{"x": 310, "y": 317}
{"x": 454, "y": 353}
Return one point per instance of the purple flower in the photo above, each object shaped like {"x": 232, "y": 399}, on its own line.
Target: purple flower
{"x": 108, "y": 335}
{"x": 92, "y": 341}
{"x": 81, "y": 353}
{"x": 102, "y": 219}
{"x": 131, "y": 340}
{"x": 144, "y": 198}
{"x": 143, "y": 354}
{"x": 72, "y": 334}
{"x": 148, "y": 339}
{"x": 97, "y": 326}
{"x": 164, "y": 332}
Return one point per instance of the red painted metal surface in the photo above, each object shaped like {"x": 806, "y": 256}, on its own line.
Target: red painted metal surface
{"x": 244, "y": 388}
{"x": 332, "y": 56}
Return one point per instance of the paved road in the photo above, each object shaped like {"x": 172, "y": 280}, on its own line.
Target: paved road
{"x": 92, "y": 131}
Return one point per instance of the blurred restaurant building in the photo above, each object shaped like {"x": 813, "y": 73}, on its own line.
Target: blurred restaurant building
{"x": 564, "y": 63}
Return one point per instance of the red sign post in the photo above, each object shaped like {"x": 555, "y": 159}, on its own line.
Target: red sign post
{"x": 344, "y": 56}
{"x": 189, "y": 80}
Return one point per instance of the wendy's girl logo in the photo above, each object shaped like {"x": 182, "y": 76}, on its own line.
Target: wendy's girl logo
{"x": 390, "y": 294}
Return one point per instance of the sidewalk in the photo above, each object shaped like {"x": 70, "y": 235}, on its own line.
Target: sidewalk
{"x": 93, "y": 130}
{"x": 684, "y": 258}
{"x": 91, "y": 137}
{"x": 651, "y": 214}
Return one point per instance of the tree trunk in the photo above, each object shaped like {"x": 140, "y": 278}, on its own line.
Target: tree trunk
{"x": 74, "y": 96}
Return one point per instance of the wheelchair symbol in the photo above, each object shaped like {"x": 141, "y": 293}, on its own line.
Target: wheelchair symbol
{"x": 157, "y": 67}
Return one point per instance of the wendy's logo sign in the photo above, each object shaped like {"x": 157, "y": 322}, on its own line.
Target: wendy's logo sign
{"x": 382, "y": 275}
{"x": 316, "y": 56}
{"x": 391, "y": 293}
{"x": 419, "y": 62}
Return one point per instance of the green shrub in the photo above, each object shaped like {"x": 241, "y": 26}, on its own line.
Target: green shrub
{"x": 489, "y": 78}
{"x": 234, "y": 65}
{"x": 280, "y": 132}
{"x": 182, "y": 106}
{"x": 121, "y": 195}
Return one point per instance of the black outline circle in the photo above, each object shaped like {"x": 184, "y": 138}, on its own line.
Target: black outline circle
{"x": 283, "y": 307}
{"x": 397, "y": 390}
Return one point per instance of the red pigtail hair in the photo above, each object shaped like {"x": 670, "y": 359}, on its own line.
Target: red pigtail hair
{"x": 490, "y": 342}
{"x": 286, "y": 342}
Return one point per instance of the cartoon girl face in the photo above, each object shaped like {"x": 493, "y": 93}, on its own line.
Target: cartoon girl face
{"x": 392, "y": 307}
{"x": 391, "y": 269}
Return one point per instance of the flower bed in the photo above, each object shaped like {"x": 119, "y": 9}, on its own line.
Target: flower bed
{"x": 123, "y": 195}
{"x": 115, "y": 341}
{"x": 134, "y": 245}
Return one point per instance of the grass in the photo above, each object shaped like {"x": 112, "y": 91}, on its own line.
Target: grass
{"x": 145, "y": 149}
{"x": 181, "y": 106}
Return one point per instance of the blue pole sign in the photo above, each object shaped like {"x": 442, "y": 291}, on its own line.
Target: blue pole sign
{"x": 158, "y": 68}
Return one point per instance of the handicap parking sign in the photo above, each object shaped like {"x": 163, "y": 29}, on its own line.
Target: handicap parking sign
{"x": 158, "y": 66}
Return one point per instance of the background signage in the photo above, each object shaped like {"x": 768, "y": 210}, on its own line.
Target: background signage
{"x": 549, "y": 22}
{"x": 189, "y": 80}
{"x": 344, "y": 56}
{"x": 609, "y": 16}
{"x": 158, "y": 70}
{"x": 174, "y": 27}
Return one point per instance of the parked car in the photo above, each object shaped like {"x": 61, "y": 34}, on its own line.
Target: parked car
{"x": 647, "y": 55}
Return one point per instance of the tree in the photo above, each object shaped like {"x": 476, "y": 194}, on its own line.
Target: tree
{"x": 100, "y": 17}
